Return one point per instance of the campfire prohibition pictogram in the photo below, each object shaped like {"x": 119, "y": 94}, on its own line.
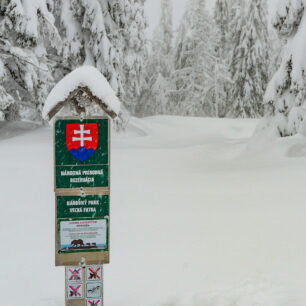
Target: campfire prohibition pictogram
{"x": 75, "y": 274}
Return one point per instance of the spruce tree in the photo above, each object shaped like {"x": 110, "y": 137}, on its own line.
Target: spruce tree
{"x": 90, "y": 36}
{"x": 222, "y": 53}
{"x": 249, "y": 64}
{"x": 134, "y": 52}
{"x": 27, "y": 36}
{"x": 158, "y": 69}
{"x": 286, "y": 92}
{"x": 193, "y": 75}
{"x": 109, "y": 35}
{"x": 222, "y": 21}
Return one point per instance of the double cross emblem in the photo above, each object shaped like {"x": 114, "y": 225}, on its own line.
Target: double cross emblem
{"x": 81, "y": 132}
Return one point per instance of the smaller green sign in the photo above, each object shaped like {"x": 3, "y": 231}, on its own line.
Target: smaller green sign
{"x": 83, "y": 207}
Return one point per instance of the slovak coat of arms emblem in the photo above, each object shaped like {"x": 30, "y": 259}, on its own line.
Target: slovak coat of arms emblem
{"x": 82, "y": 139}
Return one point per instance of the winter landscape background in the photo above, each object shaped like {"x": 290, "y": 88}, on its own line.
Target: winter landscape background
{"x": 208, "y": 157}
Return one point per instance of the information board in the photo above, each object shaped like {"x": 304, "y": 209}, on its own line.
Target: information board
{"x": 82, "y": 228}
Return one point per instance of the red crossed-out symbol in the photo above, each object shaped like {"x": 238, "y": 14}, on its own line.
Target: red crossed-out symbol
{"x": 94, "y": 274}
{"x": 93, "y": 302}
{"x": 74, "y": 291}
{"x": 75, "y": 274}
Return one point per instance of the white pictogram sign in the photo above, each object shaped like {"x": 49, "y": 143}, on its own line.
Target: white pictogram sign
{"x": 94, "y": 302}
{"x": 74, "y": 291}
{"x": 94, "y": 290}
{"x": 74, "y": 274}
{"x": 94, "y": 273}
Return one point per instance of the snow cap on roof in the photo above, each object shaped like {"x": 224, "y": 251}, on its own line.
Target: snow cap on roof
{"x": 85, "y": 76}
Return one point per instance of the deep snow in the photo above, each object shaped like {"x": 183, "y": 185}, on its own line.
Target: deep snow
{"x": 200, "y": 215}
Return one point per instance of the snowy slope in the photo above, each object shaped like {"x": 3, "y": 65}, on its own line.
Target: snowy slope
{"x": 200, "y": 216}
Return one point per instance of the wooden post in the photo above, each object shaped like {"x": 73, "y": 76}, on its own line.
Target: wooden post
{"x": 82, "y": 200}
{"x": 82, "y": 180}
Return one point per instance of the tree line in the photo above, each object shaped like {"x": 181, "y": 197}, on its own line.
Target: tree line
{"x": 219, "y": 63}
{"x": 229, "y": 62}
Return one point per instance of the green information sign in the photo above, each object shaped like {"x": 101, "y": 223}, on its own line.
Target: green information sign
{"x": 82, "y": 223}
{"x": 82, "y": 153}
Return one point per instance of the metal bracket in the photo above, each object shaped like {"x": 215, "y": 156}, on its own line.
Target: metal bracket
{"x": 82, "y": 191}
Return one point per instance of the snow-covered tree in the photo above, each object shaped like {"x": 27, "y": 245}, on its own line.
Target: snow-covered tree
{"x": 90, "y": 36}
{"x": 286, "y": 92}
{"x": 193, "y": 63}
{"x": 134, "y": 51}
{"x": 222, "y": 22}
{"x": 107, "y": 34}
{"x": 27, "y": 33}
{"x": 158, "y": 68}
{"x": 222, "y": 53}
{"x": 163, "y": 39}
{"x": 249, "y": 66}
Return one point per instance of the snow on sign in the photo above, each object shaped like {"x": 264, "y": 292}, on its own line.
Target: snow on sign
{"x": 81, "y": 153}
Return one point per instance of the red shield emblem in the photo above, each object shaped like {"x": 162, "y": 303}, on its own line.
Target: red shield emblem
{"x": 82, "y": 139}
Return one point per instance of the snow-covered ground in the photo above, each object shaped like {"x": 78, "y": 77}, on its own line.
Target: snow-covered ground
{"x": 200, "y": 215}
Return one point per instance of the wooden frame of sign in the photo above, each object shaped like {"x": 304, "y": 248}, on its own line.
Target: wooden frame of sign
{"x": 92, "y": 257}
{"x": 90, "y": 253}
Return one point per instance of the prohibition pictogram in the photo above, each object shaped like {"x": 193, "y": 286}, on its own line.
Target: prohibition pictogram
{"x": 74, "y": 274}
{"x": 94, "y": 273}
{"x": 75, "y": 291}
{"x": 94, "y": 302}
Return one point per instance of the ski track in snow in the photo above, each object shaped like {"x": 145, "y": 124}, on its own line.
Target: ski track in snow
{"x": 200, "y": 215}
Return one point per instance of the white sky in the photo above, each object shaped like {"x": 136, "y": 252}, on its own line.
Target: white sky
{"x": 152, "y": 9}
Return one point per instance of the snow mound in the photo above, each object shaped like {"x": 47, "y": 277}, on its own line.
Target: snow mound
{"x": 85, "y": 76}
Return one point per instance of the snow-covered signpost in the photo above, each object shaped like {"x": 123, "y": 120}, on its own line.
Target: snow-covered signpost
{"x": 81, "y": 106}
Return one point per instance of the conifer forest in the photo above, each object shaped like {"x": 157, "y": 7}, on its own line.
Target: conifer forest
{"x": 236, "y": 60}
